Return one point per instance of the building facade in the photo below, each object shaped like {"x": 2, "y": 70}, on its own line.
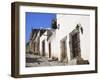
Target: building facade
{"x": 69, "y": 43}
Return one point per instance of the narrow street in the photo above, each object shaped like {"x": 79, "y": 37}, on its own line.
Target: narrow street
{"x": 37, "y": 61}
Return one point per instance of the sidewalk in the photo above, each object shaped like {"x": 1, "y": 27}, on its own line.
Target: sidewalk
{"x": 37, "y": 61}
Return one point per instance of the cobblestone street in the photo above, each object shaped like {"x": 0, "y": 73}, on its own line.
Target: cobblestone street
{"x": 37, "y": 61}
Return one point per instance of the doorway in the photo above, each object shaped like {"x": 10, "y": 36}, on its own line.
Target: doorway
{"x": 50, "y": 50}
{"x": 43, "y": 48}
{"x": 63, "y": 50}
{"x": 75, "y": 44}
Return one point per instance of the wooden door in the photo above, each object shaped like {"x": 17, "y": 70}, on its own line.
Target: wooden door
{"x": 63, "y": 50}
{"x": 75, "y": 45}
{"x": 49, "y": 50}
{"x": 43, "y": 48}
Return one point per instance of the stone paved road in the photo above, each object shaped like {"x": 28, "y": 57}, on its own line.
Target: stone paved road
{"x": 37, "y": 61}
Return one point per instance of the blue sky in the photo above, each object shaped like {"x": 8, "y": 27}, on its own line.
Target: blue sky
{"x": 37, "y": 20}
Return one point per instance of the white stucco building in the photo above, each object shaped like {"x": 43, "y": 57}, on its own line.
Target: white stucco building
{"x": 70, "y": 42}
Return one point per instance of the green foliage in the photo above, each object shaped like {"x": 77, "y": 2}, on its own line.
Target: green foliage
{"x": 54, "y": 24}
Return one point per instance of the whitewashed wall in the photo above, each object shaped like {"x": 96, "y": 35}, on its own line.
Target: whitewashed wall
{"x": 55, "y": 48}
{"x": 44, "y": 37}
{"x": 67, "y": 24}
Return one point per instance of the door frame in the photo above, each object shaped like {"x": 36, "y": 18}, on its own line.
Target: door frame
{"x": 43, "y": 48}
{"x": 75, "y": 31}
{"x": 63, "y": 54}
{"x": 49, "y": 49}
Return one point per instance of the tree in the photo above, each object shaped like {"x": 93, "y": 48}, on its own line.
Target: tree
{"x": 54, "y": 24}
